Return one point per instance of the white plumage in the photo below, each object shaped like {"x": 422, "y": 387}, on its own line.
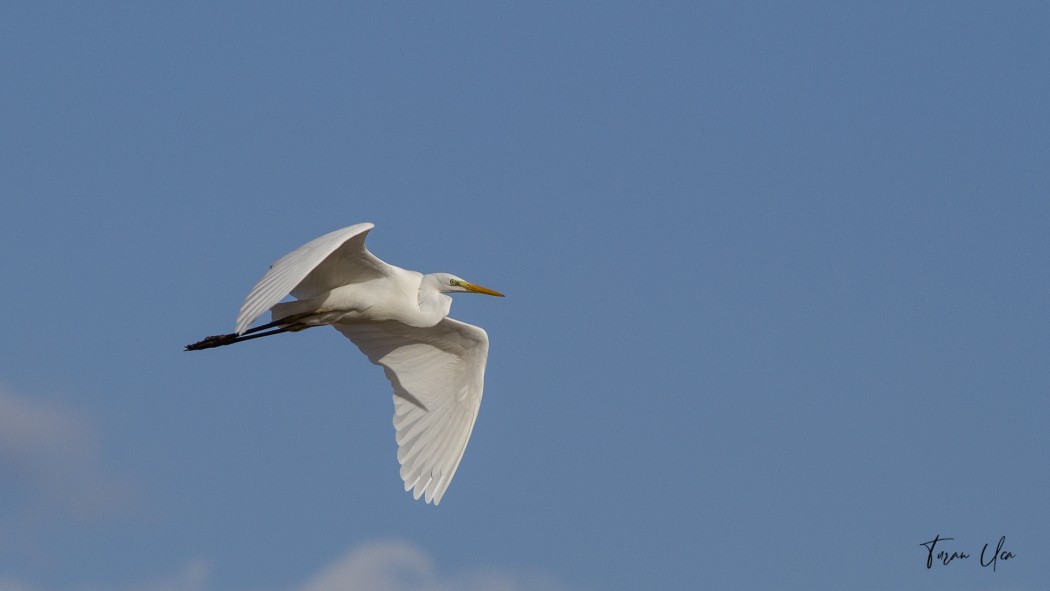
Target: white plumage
{"x": 398, "y": 319}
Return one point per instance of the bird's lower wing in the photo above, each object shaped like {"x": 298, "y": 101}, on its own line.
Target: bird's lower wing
{"x": 438, "y": 375}
{"x": 335, "y": 259}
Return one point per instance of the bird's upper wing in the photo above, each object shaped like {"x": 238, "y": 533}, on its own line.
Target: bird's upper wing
{"x": 438, "y": 374}
{"x": 335, "y": 259}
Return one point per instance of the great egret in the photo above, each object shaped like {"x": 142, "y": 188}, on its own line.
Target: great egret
{"x": 399, "y": 319}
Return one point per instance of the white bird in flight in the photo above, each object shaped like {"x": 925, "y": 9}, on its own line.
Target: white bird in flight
{"x": 399, "y": 319}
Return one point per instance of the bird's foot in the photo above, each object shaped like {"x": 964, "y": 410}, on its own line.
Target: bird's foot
{"x": 212, "y": 341}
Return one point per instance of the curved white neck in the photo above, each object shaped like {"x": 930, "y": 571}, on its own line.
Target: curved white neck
{"x": 433, "y": 304}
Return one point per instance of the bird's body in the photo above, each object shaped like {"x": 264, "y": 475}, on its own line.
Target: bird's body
{"x": 399, "y": 319}
{"x": 398, "y": 296}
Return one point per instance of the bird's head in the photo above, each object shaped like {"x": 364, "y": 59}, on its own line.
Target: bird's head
{"x": 447, "y": 283}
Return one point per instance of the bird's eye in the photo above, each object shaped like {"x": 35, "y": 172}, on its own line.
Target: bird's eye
{"x": 453, "y": 282}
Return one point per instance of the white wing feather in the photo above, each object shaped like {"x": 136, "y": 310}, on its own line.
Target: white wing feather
{"x": 438, "y": 374}
{"x": 335, "y": 259}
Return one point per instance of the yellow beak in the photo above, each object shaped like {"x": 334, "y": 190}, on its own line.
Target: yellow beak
{"x": 480, "y": 289}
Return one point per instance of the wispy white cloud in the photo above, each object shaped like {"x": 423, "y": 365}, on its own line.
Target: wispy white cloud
{"x": 391, "y": 565}
{"x": 49, "y": 461}
{"x": 12, "y": 585}
{"x": 191, "y": 577}
{"x": 399, "y": 566}
{"x": 380, "y": 566}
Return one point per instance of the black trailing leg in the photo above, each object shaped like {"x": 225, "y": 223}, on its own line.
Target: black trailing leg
{"x": 287, "y": 324}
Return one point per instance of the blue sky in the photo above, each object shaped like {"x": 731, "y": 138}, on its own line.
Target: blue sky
{"x": 776, "y": 274}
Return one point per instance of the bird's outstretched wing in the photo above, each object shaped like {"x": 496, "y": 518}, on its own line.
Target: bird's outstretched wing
{"x": 335, "y": 259}
{"x": 438, "y": 374}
